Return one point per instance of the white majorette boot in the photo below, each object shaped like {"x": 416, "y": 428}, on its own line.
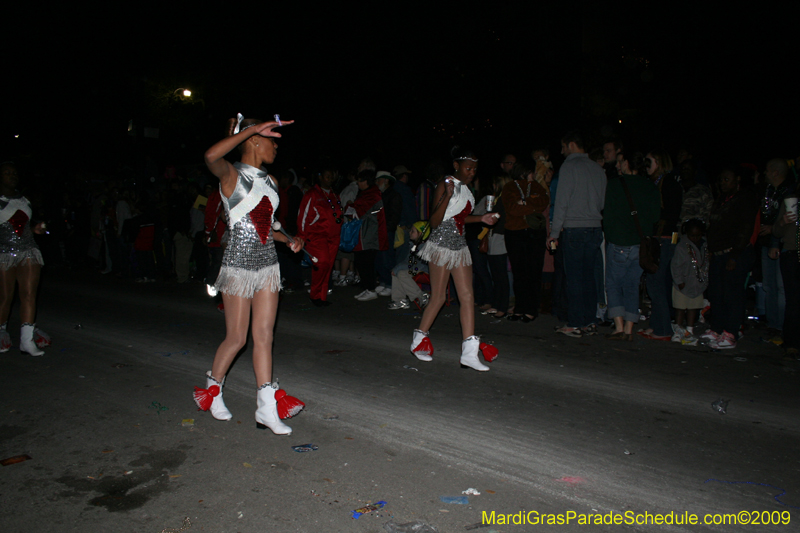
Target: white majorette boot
{"x": 210, "y": 398}
{"x": 5, "y": 338}
{"x": 26, "y": 344}
{"x": 469, "y": 354}
{"x": 267, "y": 413}
{"x": 421, "y": 346}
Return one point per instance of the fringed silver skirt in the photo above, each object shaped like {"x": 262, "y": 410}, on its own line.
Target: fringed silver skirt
{"x": 248, "y": 265}
{"x": 446, "y": 247}
{"x": 245, "y": 283}
{"x": 11, "y": 260}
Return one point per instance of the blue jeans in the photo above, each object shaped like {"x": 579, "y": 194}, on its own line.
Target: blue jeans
{"x": 790, "y": 271}
{"x": 659, "y": 287}
{"x": 599, "y": 276}
{"x": 623, "y": 274}
{"x": 775, "y": 296}
{"x": 580, "y": 246}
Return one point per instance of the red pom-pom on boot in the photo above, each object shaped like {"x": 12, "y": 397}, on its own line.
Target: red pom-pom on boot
{"x": 421, "y": 346}
{"x": 288, "y": 406}
{"x": 41, "y": 338}
{"x": 5, "y": 339}
{"x": 205, "y": 397}
{"x": 489, "y": 352}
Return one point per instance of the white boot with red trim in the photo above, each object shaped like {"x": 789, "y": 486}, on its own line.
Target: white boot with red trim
{"x": 210, "y": 398}
{"x": 267, "y": 413}
{"x": 26, "y": 342}
{"x": 421, "y": 346}
{"x": 469, "y": 354}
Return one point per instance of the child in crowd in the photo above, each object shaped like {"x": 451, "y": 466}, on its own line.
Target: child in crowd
{"x": 404, "y": 289}
{"x": 690, "y": 279}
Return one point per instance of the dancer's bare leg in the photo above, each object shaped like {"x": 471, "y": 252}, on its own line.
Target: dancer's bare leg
{"x": 440, "y": 276}
{"x": 8, "y": 279}
{"x": 237, "y": 322}
{"x": 28, "y": 275}
{"x": 462, "y": 277}
{"x": 265, "y": 307}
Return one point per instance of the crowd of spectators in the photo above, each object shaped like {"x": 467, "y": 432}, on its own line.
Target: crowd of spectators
{"x": 566, "y": 241}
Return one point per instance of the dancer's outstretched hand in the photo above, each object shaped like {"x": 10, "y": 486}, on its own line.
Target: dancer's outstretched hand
{"x": 266, "y": 129}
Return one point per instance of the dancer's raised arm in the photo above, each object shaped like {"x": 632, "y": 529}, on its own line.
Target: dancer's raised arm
{"x": 215, "y": 156}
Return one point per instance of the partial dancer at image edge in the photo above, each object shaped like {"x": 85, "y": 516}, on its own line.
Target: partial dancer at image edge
{"x": 20, "y": 264}
{"x": 448, "y": 255}
{"x": 249, "y": 278}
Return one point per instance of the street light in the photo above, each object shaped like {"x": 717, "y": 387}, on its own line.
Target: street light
{"x": 186, "y": 93}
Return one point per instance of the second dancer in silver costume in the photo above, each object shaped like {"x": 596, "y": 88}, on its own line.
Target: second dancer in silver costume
{"x": 448, "y": 255}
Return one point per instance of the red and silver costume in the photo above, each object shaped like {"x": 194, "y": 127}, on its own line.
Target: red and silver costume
{"x": 319, "y": 223}
{"x": 18, "y": 247}
{"x": 447, "y": 247}
{"x": 250, "y": 262}
{"x": 16, "y": 237}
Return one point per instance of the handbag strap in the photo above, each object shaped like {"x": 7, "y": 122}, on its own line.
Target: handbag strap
{"x": 634, "y": 212}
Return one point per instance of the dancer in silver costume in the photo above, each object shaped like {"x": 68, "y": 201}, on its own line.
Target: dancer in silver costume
{"x": 20, "y": 263}
{"x": 249, "y": 279}
{"x": 447, "y": 253}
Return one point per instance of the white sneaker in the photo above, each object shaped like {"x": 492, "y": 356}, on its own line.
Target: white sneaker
{"x": 423, "y": 302}
{"x": 689, "y": 340}
{"x": 400, "y": 304}
{"x": 383, "y": 290}
{"x": 678, "y": 334}
{"x": 341, "y": 282}
{"x": 725, "y": 342}
{"x": 709, "y": 336}
{"x": 367, "y": 295}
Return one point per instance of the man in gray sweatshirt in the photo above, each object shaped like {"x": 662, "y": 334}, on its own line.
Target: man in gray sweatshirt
{"x": 576, "y": 229}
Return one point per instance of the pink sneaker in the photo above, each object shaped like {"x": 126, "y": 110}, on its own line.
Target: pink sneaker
{"x": 709, "y": 336}
{"x": 725, "y": 342}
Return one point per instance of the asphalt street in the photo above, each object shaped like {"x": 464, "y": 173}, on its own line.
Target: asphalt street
{"x": 558, "y": 425}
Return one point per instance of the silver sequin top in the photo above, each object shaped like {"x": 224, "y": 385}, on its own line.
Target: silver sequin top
{"x": 16, "y": 236}
{"x": 446, "y": 234}
{"x": 251, "y": 211}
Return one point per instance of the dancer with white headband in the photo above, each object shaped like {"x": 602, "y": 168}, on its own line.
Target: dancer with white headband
{"x": 249, "y": 278}
{"x": 447, "y": 253}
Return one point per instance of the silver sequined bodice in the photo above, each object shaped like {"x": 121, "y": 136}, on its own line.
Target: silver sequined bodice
{"x": 245, "y": 249}
{"x": 446, "y": 235}
{"x": 12, "y": 242}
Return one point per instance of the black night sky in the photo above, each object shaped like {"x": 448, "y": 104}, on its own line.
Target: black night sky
{"x": 400, "y": 82}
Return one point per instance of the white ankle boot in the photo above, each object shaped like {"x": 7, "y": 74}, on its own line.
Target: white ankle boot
{"x": 5, "y": 338}
{"x": 267, "y": 413}
{"x": 421, "y": 346}
{"x": 26, "y": 343}
{"x": 218, "y": 409}
{"x": 469, "y": 354}
{"x": 210, "y": 398}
